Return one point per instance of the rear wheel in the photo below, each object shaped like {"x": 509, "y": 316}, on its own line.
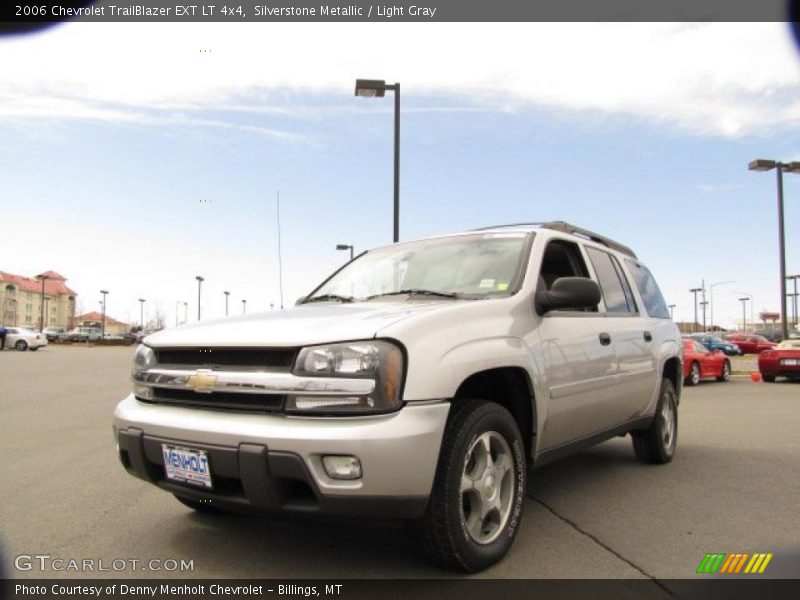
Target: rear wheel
{"x": 656, "y": 444}
{"x": 476, "y": 503}
{"x": 726, "y": 372}
{"x": 21, "y": 345}
{"x": 768, "y": 378}
{"x": 694, "y": 374}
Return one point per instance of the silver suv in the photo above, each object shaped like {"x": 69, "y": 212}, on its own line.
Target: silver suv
{"x": 420, "y": 381}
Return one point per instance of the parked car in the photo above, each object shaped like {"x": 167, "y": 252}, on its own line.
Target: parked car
{"x": 23, "y": 339}
{"x": 425, "y": 378}
{"x": 714, "y": 342}
{"x": 52, "y": 333}
{"x": 781, "y": 361}
{"x": 749, "y": 343}
{"x": 773, "y": 335}
{"x": 81, "y": 334}
{"x": 701, "y": 363}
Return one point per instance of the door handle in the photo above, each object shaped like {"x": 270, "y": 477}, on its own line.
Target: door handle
{"x": 648, "y": 337}
{"x": 605, "y": 339}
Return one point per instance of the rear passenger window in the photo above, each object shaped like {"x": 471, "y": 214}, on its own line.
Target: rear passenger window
{"x": 648, "y": 290}
{"x": 618, "y": 297}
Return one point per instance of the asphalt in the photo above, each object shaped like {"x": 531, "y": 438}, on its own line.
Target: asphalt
{"x": 733, "y": 487}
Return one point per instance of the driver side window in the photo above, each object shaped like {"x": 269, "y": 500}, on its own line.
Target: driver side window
{"x": 562, "y": 259}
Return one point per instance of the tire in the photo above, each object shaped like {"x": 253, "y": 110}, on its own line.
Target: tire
{"x": 694, "y": 374}
{"x": 656, "y": 444}
{"x": 33, "y": 348}
{"x": 21, "y": 345}
{"x": 768, "y": 378}
{"x": 201, "y": 507}
{"x": 726, "y": 372}
{"x": 482, "y": 470}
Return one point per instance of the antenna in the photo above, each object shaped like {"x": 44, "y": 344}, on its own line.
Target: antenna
{"x": 280, "y": 259}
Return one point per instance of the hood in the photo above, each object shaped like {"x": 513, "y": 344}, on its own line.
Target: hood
{"x": 297, "y": 326}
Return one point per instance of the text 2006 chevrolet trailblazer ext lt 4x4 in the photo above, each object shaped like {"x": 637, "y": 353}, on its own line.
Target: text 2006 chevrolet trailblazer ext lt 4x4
{"x": 420, "y": 381}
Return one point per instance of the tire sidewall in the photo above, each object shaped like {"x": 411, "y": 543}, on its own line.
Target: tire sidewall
{"x": 496, "y": 419}
{"x": 21, "y": 345}
{"x": 694, "y": 374}
{"x": 667, "y": 394}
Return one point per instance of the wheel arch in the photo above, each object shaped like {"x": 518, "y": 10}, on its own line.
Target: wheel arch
{"x": 673, "y": 371}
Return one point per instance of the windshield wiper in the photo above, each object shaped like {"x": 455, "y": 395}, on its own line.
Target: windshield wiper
{"x": 415, "y": 292}
{"x": 325, "y": 297}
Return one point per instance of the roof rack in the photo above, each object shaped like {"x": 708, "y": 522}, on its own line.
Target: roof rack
{"x": 565, "y": 227}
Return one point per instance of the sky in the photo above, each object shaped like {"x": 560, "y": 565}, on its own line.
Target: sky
{"x": 134, "y": 157}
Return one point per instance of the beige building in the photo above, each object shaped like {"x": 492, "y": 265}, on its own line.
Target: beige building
{"x": 21, "y": 301}
{"x": 95, "y": 319}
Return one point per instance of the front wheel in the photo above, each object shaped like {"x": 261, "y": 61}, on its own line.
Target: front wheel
{"x": 477, "y": 499}
{"x": 656, "y": 444}
{"x": 694, "y": 374}
{"x": 726, "y": 372}
{"x": 33, "y": 348}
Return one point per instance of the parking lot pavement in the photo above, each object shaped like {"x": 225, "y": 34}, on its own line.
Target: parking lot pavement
{"x": 732, "y": 487}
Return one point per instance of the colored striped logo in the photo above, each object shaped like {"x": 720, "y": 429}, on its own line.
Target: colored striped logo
{"x": 734, "y": 563}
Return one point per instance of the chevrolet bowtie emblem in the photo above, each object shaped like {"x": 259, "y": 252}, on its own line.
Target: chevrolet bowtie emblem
{"x": 202, "y": 381}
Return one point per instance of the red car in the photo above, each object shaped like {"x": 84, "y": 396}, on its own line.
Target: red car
{"x": 783, "y": 360}
{"x": 749, "y": 343}
{"x": 700, "y": 363}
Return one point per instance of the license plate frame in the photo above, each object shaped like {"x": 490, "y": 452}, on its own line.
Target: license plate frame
{"x": 189, "y": 466}
{"x": 791, "y": 362}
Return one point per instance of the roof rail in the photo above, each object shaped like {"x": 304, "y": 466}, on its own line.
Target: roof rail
{"x": 565, "y": 227}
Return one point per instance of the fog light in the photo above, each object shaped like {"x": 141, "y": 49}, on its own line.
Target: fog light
{"x": 142, "y": 391}
{"x": 342, "y": 467}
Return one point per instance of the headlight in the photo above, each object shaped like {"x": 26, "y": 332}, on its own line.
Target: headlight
{"x": 372, "y": 359}
{"x": 143, "y": 360}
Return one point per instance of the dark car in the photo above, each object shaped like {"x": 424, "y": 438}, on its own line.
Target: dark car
{"x": 714, "y": 342}
{"x": 773, "y": 335}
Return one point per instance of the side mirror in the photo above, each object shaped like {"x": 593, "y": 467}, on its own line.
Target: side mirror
{"x": 568, "y": 292}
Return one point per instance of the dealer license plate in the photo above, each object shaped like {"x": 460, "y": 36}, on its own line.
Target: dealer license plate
{"x": 187, "y": 465}
{"x": 791, "y": 361}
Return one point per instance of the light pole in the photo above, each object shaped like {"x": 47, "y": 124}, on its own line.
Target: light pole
{"x": 244, "y": 306}
{"x": 177, "y": 312}
{"x": 671, "y": 311}
{"x": 791, "y": 167}
{"x": 711, "y": 298}
{"x": 695, "y": 291}
{"x": 704, "y": 303}
{"x": 226, "y": 302}
{"x": 103, "y": 320}
{"x": 141, "y": 314}
{"x": 744, "y": 313}
{"x": 185, "y": 312}
{"x": 794, "y": 297}
{"x": 376, "y": 88}
{"x": 345, "y": 247}
{"x": 43, "y": 277}
{"x": 200, "y": 281}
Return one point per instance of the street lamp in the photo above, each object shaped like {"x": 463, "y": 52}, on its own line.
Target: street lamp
{"x": 244, "y": 306}
{"x": 794, "y": 296}
{"x": 200, "y": 281}
{"x": 711, "y": 298}
{"x": 791, "y": 167}
{"x": 43, "y": 277}
{"x": 141, "y": 314}
{"x": 226, "y": 302}
{"x": 376, "y": 88}
{"x": 103, "y": 320}
{"x": 744, "y": 312}
{"x": 695, "y": 291}
{"x": 704, "y": 303}
{"x": 345, "y": 247}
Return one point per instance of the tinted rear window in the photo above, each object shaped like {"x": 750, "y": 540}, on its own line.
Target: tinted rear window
{"x": 648, "y": 289}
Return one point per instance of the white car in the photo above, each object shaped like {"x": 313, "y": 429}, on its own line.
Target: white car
{"x": 23, "y": 339}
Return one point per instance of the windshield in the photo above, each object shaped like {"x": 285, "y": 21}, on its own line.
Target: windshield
{"x": 468, "y": 266}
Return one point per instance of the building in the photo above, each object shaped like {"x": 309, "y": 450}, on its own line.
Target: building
{"x": 95, "y": 319}
{"x": 21, "y": 301}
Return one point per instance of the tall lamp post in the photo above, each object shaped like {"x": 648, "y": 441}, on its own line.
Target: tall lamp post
{"x": 791, "y": 167}
{"x": 376, "y": 88}
{"x": 744, "y": 312}
{"x": 185, "y": 312}
{"x": 794, "y": 298}
{"x": 43, "y": 277}
{"x": 695, "y": 292}
{"x": 200, "y": 281}
{"x": 177, "y": 312}
{"x": 711, "y": 298}
{"x": 345, "y": 247}
{"x": 226, "y": 302}
{"x": 103, "y": 320}
{"x": 244, "y": 306}
{"x": 141, "y": 314}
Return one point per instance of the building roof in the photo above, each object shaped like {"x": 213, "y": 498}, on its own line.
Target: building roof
{"x": 96, "y": 316}
{"x": 53, "y": 285}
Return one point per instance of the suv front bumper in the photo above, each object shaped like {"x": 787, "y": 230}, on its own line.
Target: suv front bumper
{"x": 274, "y": 462}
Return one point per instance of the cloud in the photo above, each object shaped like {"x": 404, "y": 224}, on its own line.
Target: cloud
{"x": 721, "y": 79}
